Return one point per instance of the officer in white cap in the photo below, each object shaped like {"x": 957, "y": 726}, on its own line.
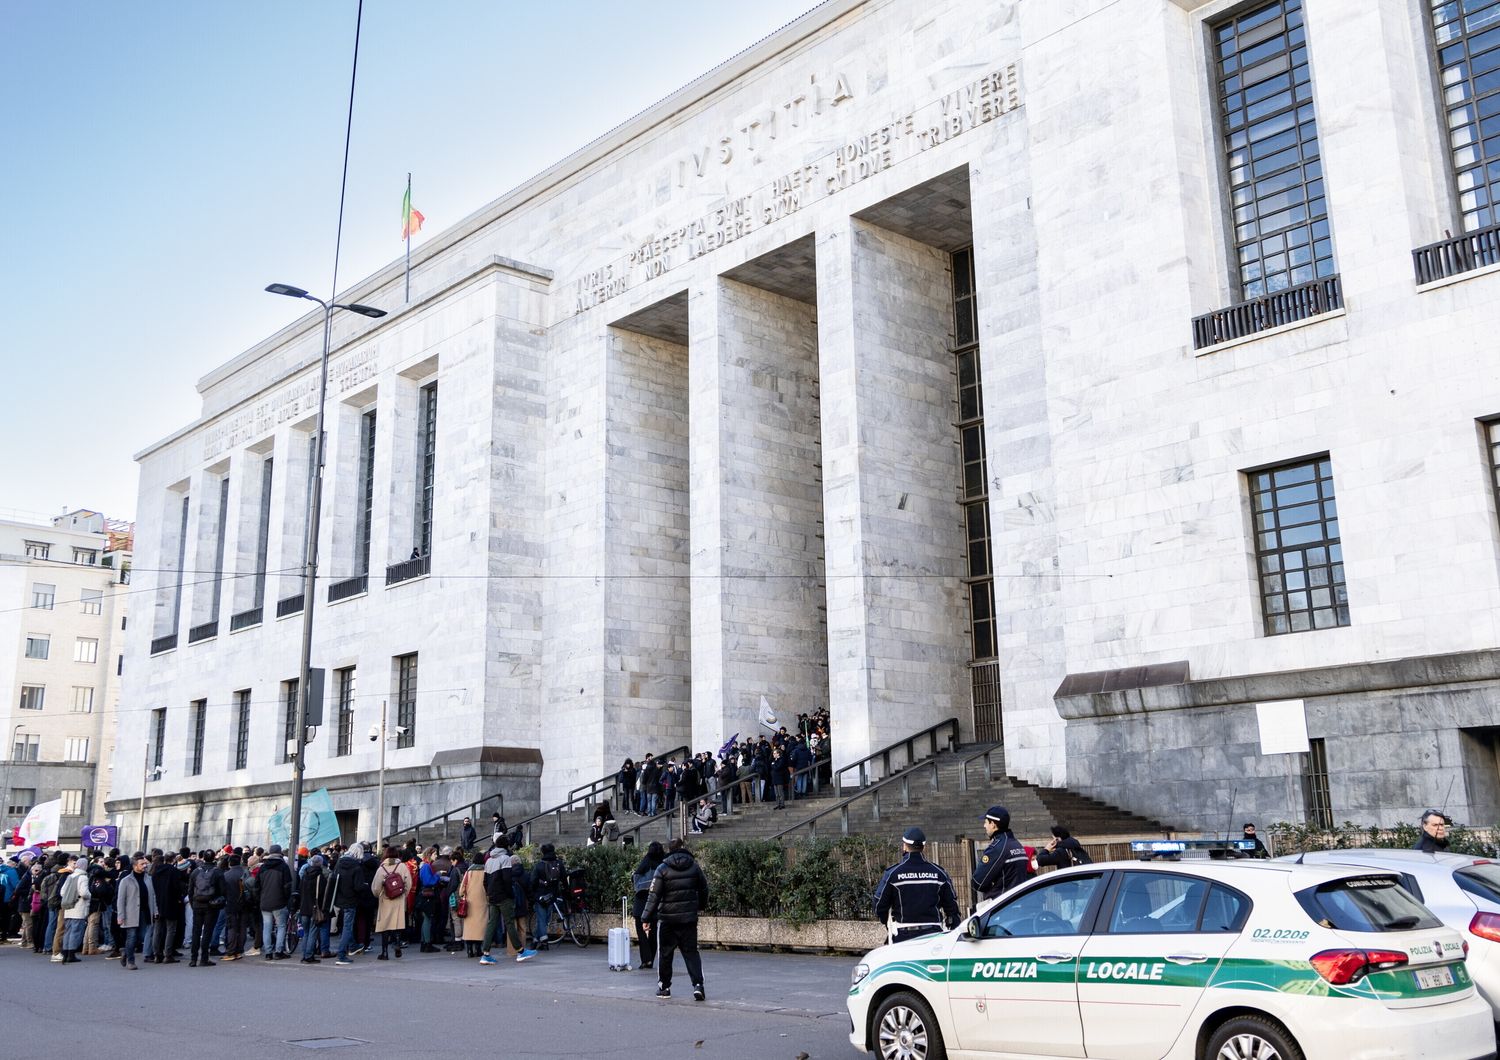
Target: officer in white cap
{"x": 1004, "y": 863}
{"x": 915, "y": 897}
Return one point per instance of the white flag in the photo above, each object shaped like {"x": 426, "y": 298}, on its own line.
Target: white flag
{"x": 42, "y": 823}
{"x": 767, "y": 715}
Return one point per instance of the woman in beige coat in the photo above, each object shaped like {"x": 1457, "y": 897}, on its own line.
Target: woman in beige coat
{"x": 390, "y": 918}
{"x": 477, "y": 910}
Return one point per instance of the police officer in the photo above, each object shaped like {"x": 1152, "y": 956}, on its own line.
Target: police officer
{"x": 917, "y": 895}
{"x": 1004, "y": 863}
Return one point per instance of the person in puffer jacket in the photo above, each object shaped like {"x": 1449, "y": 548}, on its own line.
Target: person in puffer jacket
{"x": 679, "y": 891}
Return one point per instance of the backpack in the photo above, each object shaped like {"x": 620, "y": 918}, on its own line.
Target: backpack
{"x": 394, "y": 884}
{"x": 551, "y": 875}
{"x": 249, "y": 891}
{"x": 203, "y": 887}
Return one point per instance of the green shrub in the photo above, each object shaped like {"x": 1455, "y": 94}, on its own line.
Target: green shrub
{"x": 1295, "y": 838}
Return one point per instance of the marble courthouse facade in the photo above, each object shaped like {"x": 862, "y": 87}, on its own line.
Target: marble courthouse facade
{"x": 1057, "y": 365}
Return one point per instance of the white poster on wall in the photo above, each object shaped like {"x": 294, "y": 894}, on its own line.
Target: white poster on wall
{"x": 1283, "y": 727}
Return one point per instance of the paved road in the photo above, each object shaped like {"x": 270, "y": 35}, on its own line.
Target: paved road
{"x": 566, "y": 1003}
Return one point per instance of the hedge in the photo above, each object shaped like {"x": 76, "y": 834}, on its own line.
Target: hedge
{"x": 1295, "y": 838}
{"x": 799, "y": 882}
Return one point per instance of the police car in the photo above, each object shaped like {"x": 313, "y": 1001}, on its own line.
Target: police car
{"x": 1249, "y": 960}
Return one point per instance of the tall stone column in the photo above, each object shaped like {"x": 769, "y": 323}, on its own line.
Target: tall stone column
{"x": 897, "y": 639}
{"x": 757, "y": 510}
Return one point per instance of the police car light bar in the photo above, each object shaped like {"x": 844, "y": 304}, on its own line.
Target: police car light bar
{"x": 1173, "y": 849}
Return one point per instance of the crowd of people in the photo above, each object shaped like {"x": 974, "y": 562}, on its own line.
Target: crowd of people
{"x": 333, "y": 903}
{"x": 778, "y": 768}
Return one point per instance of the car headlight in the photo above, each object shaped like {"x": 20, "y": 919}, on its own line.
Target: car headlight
{"x": 859, "y": 973}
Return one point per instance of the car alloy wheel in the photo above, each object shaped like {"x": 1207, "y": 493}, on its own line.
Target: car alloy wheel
{"x": 903, "y": 1035}
{"x": 1248, "y": 1047}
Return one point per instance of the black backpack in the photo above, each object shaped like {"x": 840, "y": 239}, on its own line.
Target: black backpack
{"x": 551, "y": 875}
{"x": 203, "y": 887}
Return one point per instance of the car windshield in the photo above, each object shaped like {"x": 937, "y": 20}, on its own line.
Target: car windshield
{"x": 1482, "y": 880}
{"x": 1366, "y": 903}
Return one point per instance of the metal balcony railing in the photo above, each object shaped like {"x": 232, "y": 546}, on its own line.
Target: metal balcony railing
{"x": 161, "y": 644}
{"x": 290, "y": 606}
{"x": 348, "y": 587}
{"x": 1457, "y": 255}
{"x": 1272, "y": 311}
{"x": 408, "y": 569}
{"x": 245, "y": 619}
{"x": 203, "y": 631}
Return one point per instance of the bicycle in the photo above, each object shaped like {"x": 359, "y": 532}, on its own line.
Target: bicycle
{"x": 569, "y": 913}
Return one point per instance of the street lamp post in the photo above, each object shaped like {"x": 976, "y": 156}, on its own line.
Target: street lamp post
{"x": 384, "y": 735}
{"x": 147, "y": 774}
{"x": 310, "y": 568}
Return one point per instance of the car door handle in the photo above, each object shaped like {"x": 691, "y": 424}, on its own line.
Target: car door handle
{"x": 1187, "y": 958}
{"x": 1054, "y": 958}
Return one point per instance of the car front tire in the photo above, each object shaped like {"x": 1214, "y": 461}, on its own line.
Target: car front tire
{"x": 904, "y": 1028}
{"x": 1252, "y": 1038}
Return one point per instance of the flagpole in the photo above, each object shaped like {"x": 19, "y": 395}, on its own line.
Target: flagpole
{"x": 406, "y": 224}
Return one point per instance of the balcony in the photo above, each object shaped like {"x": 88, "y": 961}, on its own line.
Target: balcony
{"x": 1458, "y": 255}
{"x": 1272, "y": 311}
{"x": 355, "y": 586}
{"x": 161, "y": 644}
{"x": 205, "y": 631}
{"x": 290, "y": 606}
{"x": 406, "y": 570}
{"x": 245, "y": 619}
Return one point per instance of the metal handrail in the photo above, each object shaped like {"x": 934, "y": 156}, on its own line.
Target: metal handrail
{"x": 884, "y": 754}
{"x": 608, "y": 782}
{"x": 841, "y": 807}
{"x": 989, "y": 765}
{"x": 472, "y": 813}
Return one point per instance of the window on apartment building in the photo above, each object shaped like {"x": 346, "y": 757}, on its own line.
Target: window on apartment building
{"x": 181, "y": 561}
{"x": 89, "y": 556}
{"x": 38, "y": 645}
{"x": 1298, "y": 550}
{"x": 33, "y": 696}
{"x": 76, "y": 749}
{"x": 83, "y": 700}
{"x": 158, "y": 736}
{"x": 86, "y": 650}
{"x": 27, "y": 748}
{"x": 120, "y": 665}
{"x": 91, "y": 602}
{"x": 221, "y": 533}
{"x": 198, "y": 729}
{"x": 346, "y": 711}
{"x": 426, "y": 465}
{"x": 21, "y": 801}
{"x": 1279, "y": 215}
{"x": 263, "y": 532}
{"x": 1467, "y": 39}
{"x": 406, "y": 699}
{"x": 43, "y": 596}
{"x": 72, "y": 802}
{"x": 38, "y": 550}
{"x": 289, "y": 715}
{"x": 242, "y": 728}
{"x": 364, "y": 517}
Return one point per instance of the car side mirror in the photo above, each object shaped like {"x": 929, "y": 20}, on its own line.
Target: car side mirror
{"x": 971, "y": 930}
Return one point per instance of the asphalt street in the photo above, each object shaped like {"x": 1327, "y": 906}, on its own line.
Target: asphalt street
{"x": 566, "y": 1003}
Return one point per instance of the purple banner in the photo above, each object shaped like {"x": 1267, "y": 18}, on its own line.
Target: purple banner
{"x": 101, "y": 835}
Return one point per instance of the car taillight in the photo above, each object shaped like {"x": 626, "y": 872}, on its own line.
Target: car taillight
{"x": 1341, "y": 967}
{"x": 1486, "y": 926}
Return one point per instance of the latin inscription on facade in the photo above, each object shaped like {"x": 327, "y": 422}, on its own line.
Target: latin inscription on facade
{"x": 289, "y": 402}
{"x": 861, "y": 156}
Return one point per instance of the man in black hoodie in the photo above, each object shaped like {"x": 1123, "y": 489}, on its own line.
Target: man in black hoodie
{"x": 168, "y": 885}
{"x": 678, "y": 893}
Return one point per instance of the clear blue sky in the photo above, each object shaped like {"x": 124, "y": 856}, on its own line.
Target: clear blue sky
{"x": 164, "y": 161}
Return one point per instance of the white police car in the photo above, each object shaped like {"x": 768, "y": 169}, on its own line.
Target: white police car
{"x": 1248, "y": 960}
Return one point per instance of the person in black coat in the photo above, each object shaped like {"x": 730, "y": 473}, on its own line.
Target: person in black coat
{"x": 1064, "y": 851}
{"x": 468, "y": 837}
{"x": 348, "y": 875}
{"x": 678, "y": 893}
{"x": 313, "y": 898}
{"x": 167, "y": 883}
{"x": 1004, "y": 863}
{"x": 1434, "y": 837}
{"x": 781, "y": 776}
{"x": 625, "y": 778}
{"x": 206, "y": 893}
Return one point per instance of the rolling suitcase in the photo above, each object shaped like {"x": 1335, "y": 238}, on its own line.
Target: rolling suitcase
{"x": 619, "y": 949}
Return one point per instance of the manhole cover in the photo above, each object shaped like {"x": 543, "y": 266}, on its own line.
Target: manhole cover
{"x": 326, "y": 1043}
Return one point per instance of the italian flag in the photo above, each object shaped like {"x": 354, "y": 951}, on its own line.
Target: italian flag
{"x": 411, "y": 220}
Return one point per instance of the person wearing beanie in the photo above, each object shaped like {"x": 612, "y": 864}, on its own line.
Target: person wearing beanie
{"x": 1004, "y": 863}
{"x": 313, "y": 898}
{"x": 915, "y": 896}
